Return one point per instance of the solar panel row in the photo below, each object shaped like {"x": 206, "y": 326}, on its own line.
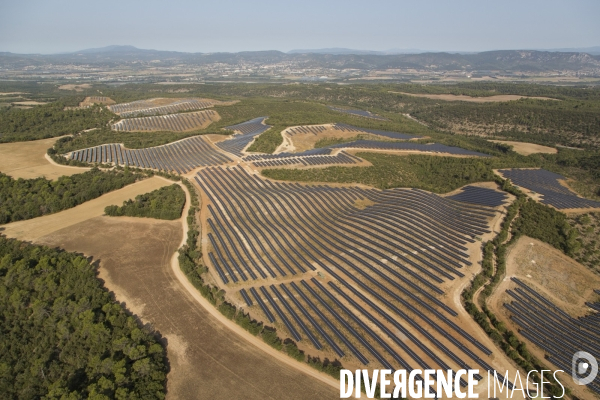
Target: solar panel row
{"x": 172, "y": 122}
{"x": 181, "y": 156}
{"x": 552, "y": 329}
{"x": 398, "y": 250}
{"x": 548, "y": 185}
{"x": 147, "y": 107}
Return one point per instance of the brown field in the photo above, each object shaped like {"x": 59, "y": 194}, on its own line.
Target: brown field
{"x": 206, "y": 359}
{"x": 29, "y": 103}
{"x": 88, "y": 101}
{"x": 32, "y": 229}
{"x": 557, "y": 277}
{"x": 527, "y": 148}
{"x": 28, "y": 160}
{"x": 77, "y": 88}
{"x": 487, "y": 99}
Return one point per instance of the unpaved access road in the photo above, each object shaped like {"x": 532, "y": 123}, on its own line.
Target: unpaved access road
{"x": 207, "y": 359}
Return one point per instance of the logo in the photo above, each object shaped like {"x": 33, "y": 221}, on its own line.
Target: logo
{"x": 584, "y": 368}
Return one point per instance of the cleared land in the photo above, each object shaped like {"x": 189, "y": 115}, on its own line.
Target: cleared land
{"x": 183, "y": 122}
{"x": 375, "y": 283}
{"x": 207, "y": 360}
{"x": 32, "y": 229}
{"x": 90, "y": 100}
{"x": 558, "y": 278}
{"x": 162, "y": 106}
{"x": 28, "y": 160}
{"x": 77, "y": 88}
{"x": 527, "y": 148}
{"x": 487, "y": 99}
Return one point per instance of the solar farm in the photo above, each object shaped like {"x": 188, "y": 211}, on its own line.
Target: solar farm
{"x": 181, "y": 122}
{"x": 553, "y": 330}
{"x": 180, "y": 157}
{"x": 159, "y": 106}
{"x": 244, "y": 135}
{"x": 548, "y": 185}
{"x": 362, "y": 285}
{"x": 359, "y": 113}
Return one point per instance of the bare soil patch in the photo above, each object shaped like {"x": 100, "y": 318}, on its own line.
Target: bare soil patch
{"x": 33, "y": 229}
{"x": 77, "y": 88}
{"x": 487, "y": 99}
{"x": 206, "y": 359}
{"x": 527, "y": 148}
{"x": 563, "y": 281}
{"x": 27, "y": 160}
{"x": 29, "y": 103}
{"x": 567, "y": 283}
{"x": 91, "y": 100}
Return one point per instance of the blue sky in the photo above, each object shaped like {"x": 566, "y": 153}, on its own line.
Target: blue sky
{"x": 34, "y": 26}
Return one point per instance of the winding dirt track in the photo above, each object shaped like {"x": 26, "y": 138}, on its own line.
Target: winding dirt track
{"x": 208, "y": 358}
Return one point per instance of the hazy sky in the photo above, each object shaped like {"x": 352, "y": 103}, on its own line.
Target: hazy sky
{"x": 47, "y": 26}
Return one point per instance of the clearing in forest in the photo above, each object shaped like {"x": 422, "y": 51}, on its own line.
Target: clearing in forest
{"x": 527, "y": 148}
{"x": 91, "y": 100}
{"x": 485, "y": 99}
{"x": 28, "y": 160}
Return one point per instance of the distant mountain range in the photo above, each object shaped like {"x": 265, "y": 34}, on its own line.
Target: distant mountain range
{"x": 513, "y": 61}
{"x": 340, "y": 50}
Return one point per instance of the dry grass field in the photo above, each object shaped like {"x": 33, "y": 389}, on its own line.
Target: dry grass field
{"x": 206, "y": 359}
{"x": 487, "y": 99}
{"x": 28, "y": 160}
{"x": 559, "y": 278}
{"x": 32, "y": 229}
{"x": 91, "y": 100}
{"x": 527, "y": 148}
{"x": 77, "y": 88}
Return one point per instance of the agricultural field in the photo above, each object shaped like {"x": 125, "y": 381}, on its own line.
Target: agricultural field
{"x": 183, "y": 122}
{"x": 28, "y": 160}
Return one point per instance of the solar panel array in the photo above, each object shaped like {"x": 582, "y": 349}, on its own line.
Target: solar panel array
{"x": 341, "y": 158}
{"x": 359, "y": 113}
{"x": 181, "y": 156}
{"x": 432, "y": 148}
{"x": 173, "y": 122}
{"x": 247, "y": 132}
{"x": 398, "y": 251}
{"x": 554, "y": 331}
{"x": 546, "y": 183}
{"x": 148, "y": 107}
{"x": 481, "y": 196}
{"x": 314, "y": 129}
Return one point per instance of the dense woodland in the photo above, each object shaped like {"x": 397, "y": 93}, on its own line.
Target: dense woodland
{"x": 29, "y": 198}
{"x": 63, "y": 336}
{"x": 50, "y": 120}
{"x": 164, "y": 203}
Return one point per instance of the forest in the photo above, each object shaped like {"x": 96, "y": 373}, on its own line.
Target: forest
{"x": 50, "y": 120}
{"x": 164, "y": 203}
{"x": 63, "y": 336}
{"x": 22, "y": 199}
